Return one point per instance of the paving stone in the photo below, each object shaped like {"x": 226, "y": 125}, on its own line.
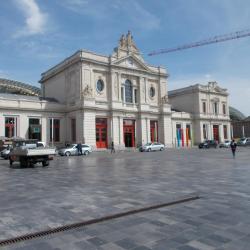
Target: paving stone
{"x": 126, "y": 243}
{"x": 82, "y": 188}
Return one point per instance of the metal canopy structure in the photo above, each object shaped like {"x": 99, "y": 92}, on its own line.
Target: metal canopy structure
{"x": 15, "y": 87}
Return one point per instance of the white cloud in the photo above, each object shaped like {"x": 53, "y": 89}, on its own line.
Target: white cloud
{"x": 135, "y": 13}
{"x": 35, "y": 19}
{"x": 4, "y": 74}
{"x": 143, "y": 18}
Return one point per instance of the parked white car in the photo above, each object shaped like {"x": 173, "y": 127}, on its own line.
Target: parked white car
{"x": 225, "y": 144}
{"x": 72, "y": 150}
{"x": 152, "y": 146}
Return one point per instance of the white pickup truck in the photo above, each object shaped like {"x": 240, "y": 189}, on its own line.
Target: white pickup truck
{"x": 28, "y": 154}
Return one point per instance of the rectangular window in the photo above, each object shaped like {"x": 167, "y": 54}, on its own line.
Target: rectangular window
{"x": 216, "y": 108}
{"x": 225, "y": 131}
{"x": 54, "y": 130}
{"x": 34, "y": 128}
{"x": 10, "y": 127}
{"x": 224, "y": 109}
{"x": 135, "y": 93}
{"x": 204, "y": 131}
{"x": 204, "y": 107}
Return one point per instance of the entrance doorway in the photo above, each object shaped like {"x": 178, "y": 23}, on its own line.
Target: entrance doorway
{"x": 154, "y": 131}
{"x": 73, "y": 130}
{"x": 216, "y": 132}
{"x": 101, "y": 133}
{"x": 129, "y": 133}
{"x": 10, "y": 127}
{"x": 35, "y": 129}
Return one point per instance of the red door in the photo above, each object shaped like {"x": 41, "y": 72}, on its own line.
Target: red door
{"x": 154, "y": 131}
{"x": 101, "y": 133}
{"x": 129, "y": 133}
{"x": 216, "y": 132}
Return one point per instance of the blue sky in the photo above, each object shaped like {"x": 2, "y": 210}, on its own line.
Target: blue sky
{"x": 37, "y": 34}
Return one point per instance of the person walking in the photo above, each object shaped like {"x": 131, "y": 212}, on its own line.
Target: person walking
{"x": 233, "y": 146}
{"x": 79, "y": 148}
{"x": 112, "y": 148}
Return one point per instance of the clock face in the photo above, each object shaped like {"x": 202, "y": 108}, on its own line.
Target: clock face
{"x": 130, "y": 62}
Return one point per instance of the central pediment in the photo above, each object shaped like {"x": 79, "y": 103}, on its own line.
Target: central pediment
{"x": 132, "y": 62}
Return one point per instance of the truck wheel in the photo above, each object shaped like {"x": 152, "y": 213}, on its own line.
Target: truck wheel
{"x": 31, "y": 164}
{"x": 23, "y": 163}
{"x": 45, "y": 163}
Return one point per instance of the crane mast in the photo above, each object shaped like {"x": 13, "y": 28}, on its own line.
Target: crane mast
{"x": 215, "y": 39}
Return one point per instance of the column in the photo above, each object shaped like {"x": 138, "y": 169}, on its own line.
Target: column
{"x": 165, "y": 130}
{"x": 115, "y": 130}
{"x": 79, "y": 127}
{"x": 22, "y": 126}
{"x": 148, "y": 139}
{"x": 45, "y": 130}
{"x": 121, "y": 139}
{"x": 221, "y": 133}
{"x": 89, "y": 128}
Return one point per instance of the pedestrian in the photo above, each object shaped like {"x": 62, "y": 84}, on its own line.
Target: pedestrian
{"x": 233, "y": 146}
{"x": 79, "y": 148}
{"x": 112, "y": 147}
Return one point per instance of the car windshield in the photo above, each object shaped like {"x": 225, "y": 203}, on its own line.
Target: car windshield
{"x": 70, "y": 146}
{"x": 242, "y": 139}
{"x": 147, "y": 144}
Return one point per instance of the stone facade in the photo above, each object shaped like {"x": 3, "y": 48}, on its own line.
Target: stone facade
{"x": 97, "y": 99}
{"x": 94, "y": 86}
{"x": 209, "y": 109}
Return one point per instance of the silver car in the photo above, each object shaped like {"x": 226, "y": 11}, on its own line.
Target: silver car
{"x": 244, "y": 142}
{"x": 225, "y": 144}
{"x": 155, "y": 146}
{"x": 72, "y": 150}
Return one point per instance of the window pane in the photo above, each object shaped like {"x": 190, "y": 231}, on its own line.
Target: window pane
{"x": 128, "y": 92}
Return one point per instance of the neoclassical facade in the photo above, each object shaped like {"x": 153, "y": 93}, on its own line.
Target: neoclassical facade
{"x": 97, "y": 99}
{"x": 209, "y": 109}
{"x": 115, "y": 98}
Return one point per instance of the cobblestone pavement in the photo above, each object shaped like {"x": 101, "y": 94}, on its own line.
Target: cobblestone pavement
{"x": 81, "y": 188}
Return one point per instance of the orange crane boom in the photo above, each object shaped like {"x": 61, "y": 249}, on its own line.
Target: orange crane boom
{"x": 215, "y": 39}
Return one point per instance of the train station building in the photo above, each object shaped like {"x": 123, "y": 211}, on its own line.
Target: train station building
{"x": 97, "y": 99}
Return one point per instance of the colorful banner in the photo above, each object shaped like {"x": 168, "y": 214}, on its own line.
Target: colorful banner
{"x": 182, "y": 137}
{"x": 187, "y": 136}
{"x": 178, "y": 136}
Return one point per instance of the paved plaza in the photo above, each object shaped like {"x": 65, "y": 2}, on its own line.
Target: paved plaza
{"x": 76, "y": 189}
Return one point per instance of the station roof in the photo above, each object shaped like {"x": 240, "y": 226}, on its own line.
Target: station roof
{"x": 19, "y": 88}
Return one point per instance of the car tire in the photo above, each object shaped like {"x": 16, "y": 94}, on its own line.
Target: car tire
{"x": 67, "y": 153}
{"x": 149, "y": 150}
{"x": 161, "y": 149}
{"x": 86, "y": 152}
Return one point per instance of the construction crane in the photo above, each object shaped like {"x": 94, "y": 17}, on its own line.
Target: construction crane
{"x": 215, "y": 39}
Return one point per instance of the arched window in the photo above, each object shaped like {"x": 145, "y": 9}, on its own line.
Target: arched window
{"x": 128, "y": 92}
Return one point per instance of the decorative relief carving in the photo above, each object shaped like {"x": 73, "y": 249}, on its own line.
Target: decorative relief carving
{"x": 88, "y": 91}
{"x": 164, "y": 99}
